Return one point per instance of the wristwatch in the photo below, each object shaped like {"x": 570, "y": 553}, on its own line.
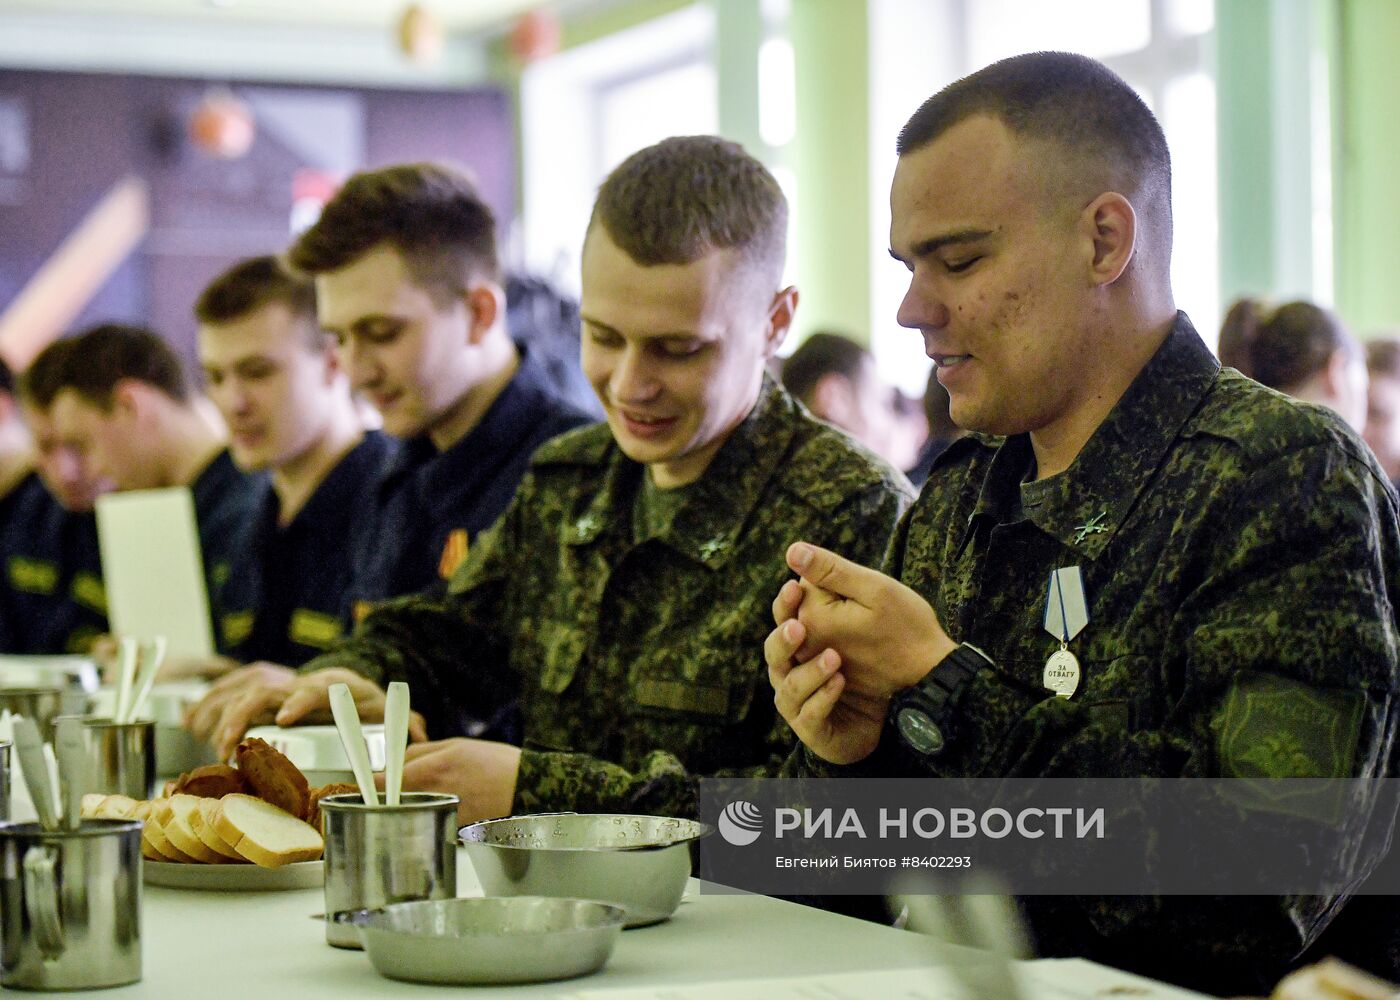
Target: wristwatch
{"x": 923, "y": 714}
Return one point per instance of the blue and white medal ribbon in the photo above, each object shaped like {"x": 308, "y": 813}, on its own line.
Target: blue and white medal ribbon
{"x": 1066, "y": 614}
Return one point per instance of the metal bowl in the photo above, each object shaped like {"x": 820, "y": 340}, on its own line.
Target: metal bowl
{"x": 640, "y": 863}
{"x": 522, "y": 939}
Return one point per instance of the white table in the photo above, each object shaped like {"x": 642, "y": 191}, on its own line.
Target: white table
{"x": 213, "y": 945}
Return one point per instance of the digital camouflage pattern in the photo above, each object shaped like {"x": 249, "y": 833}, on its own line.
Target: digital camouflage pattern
{"x": 1241, "y": 560}
{"x": 639, "y": 660}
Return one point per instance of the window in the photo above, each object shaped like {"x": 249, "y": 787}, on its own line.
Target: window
{"x": 587, "y": 109}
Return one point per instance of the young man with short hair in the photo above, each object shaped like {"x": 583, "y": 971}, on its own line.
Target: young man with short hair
{"x": 119, "y": 398}
{"x": 408, "y": 282}
{"x": 51, "y": 596}
{"x": 626, "y": 589}
{"x": 1238, "y": 553}
{"x": 53, "y": 566}
{"x": 275, "y": 377}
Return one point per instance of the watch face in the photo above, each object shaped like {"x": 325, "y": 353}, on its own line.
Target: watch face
{"x": 919, "y": 731}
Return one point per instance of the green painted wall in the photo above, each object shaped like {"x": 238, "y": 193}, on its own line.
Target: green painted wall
{"x": 1266, "y": 53}
{"x": 1368, "y": 204}
{"x": 830, "y": 155}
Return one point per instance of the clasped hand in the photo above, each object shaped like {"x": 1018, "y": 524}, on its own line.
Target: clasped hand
{"x": 847, "y": 638}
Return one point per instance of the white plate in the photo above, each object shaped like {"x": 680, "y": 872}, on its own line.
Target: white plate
{"x": 235, "y": 878}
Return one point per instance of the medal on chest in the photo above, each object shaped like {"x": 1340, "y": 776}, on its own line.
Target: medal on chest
{"x": 1066, "y": 614}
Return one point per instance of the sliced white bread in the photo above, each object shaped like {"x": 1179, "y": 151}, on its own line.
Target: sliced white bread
{"x": 264, "y": 834}
{"x": 175, "y": 821}
{"x": 158, "y": 840}
{"x": 202, "y": 820}
{"x": 116, "y": 807}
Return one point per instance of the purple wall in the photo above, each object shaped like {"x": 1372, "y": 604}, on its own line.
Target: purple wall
{"x": 84, "y": 132}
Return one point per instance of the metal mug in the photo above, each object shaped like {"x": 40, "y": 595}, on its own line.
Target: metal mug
{"x": 4, "y": 781}
{"x": 71, "y": 918}
{"x": 377, "y": 855}
{"x": 121, "y": 757}
{"x": 44, "y": 704}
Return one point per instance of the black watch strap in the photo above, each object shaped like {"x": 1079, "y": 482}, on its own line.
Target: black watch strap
{"x": 923, "y": 714}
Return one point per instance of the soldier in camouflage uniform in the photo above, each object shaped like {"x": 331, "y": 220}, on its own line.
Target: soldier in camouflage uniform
{"x": 626, "y": 589}
{"x": 1237, "y": 549}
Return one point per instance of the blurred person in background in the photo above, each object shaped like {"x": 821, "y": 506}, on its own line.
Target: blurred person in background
{"x": 545, "y": 321}
{"x": 51, "y": 598}
{"x": 276, "y": 379}
{"x": 835, "y": 378}
{"x": 941, "y": 430}
{"x": 1383, "y": 403}
{"x": 119, "y": 398}
{"x": 408, "y": 283}
{"x": 1300, "y": 349}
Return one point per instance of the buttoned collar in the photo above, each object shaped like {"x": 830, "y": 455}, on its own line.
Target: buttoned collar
{"x": 718, "y": 505}
{"x": 330, "y": 509}
{"x": 1084, "y": 506}
{"x": 478, "y": 456}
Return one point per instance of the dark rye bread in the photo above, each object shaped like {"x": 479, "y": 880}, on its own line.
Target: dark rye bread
{"x": 272, "y": 777}
{"x": 313, "y": 811}
{"x": 212, "y": 781}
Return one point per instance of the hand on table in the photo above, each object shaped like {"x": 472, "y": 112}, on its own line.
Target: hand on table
{"x": 263, "y": 693}
{"x": 479, "y": 772}
{"x": 847, "y": 639}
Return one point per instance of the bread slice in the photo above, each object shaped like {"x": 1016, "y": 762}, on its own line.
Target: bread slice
{"x": 212, "y": 781}
{"x": 158, "y": 840}
{"x": 175, "y": 821}
{"x": 313, "y": 806}
{"x": 272, "y": 777}
{"x": 116, "y": 807}
{"x": 202, "y": 821}
{"x": 264, "y": 834}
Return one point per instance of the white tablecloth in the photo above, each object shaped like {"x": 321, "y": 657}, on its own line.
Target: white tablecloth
{"x": 229, "y": 946}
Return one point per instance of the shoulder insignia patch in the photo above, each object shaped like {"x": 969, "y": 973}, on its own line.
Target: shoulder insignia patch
{"x": 312, "y": 628}
{"x": 33, "y": 576}
{"x": 454, "y": 553}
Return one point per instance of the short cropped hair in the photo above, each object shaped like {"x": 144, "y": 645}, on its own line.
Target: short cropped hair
{"x": 1383, "y": 357}
{"x": 820, "y": 355}
{"x": 91, "y": 364}
{"x": 1281, "y": 347}
{"x": 431, "y": 214}
{"x": 1071, "y": 101}
{"x": 676, "y": 201}
{"x": 251, "y": 284}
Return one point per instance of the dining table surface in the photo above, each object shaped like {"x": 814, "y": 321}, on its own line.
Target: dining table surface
{"x": 224, "y": 945}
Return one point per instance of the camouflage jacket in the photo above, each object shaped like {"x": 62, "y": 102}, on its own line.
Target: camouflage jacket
{"x": 1240, "y": 556}
{"x": 640, "y": 663}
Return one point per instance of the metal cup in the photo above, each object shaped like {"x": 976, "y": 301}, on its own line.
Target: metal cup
{"x": 377, "y": 855}
{"x": 44, "y": 704}
{"x": 4, "y": 782}
{"x": 121, "y": 757}
{"x": 71, "y": 918}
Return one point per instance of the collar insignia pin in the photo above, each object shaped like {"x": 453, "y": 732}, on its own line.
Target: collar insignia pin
{"x": 711, "y": 548}
{"x": 1094, "y": 526}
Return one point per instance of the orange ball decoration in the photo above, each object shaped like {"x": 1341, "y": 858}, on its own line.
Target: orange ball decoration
{"x": 535, "y": 36}
{"x": 222, "y": 126}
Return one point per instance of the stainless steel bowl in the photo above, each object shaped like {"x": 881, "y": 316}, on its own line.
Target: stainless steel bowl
{"x": 640, "y": 863}
{"x": 522, "y": 939}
